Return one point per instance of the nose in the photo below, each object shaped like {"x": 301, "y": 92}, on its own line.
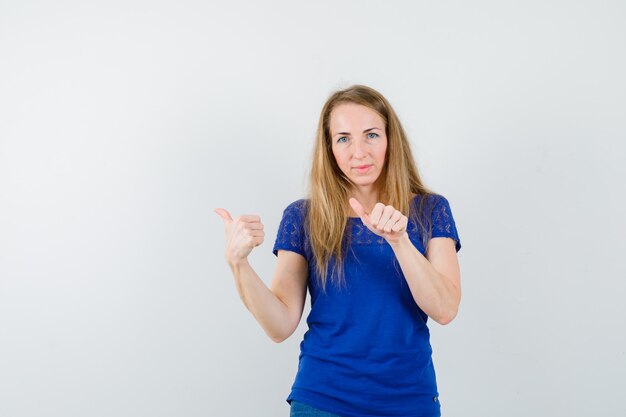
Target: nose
{"x": 359, "y": 149}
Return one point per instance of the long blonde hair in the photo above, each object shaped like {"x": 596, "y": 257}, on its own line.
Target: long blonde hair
{"x": 397, "y": 184}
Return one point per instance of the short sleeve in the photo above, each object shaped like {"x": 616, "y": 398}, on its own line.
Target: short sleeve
{"x": 291, "y": 234}
{"x": 443, "y": 222}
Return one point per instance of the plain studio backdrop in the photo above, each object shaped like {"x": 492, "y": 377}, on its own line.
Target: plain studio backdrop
{"x": 123, "y": 124}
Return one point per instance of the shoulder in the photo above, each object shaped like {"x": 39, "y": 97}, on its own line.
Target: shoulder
{"x": 439, "y": 201}
{"x": 432, "y": 207}
{"x": 296, "y": 211}
{"x": 429, "y": 201}
{"x": 439, "y": 206}
{"x": 299, "y": 206}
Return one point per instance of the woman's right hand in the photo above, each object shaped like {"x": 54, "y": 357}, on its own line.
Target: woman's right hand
{"x": 243, "y": 234}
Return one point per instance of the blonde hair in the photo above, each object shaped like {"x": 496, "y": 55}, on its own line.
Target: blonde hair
{"x": 397, "y": 184}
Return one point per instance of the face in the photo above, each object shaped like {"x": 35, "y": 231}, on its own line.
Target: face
{"x": 358, "y": 142}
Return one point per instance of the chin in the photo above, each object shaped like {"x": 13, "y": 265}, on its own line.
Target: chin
{"x": 363, "y": 182}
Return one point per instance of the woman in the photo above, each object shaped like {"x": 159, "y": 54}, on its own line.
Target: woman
{"x": 377, "y": 251}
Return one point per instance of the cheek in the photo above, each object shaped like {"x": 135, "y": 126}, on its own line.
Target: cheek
{"x": 382, "y": 154}
{"x": 339, "y": 158}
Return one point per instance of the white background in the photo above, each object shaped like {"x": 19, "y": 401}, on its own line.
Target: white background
{"x": 123, "y": 124}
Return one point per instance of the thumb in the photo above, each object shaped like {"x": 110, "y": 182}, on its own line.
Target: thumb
{"x": 358, "y": 208}
{"x": 224, "y": 214}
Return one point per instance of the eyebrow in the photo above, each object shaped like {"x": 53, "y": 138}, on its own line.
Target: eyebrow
{"x": 365, "y": 131}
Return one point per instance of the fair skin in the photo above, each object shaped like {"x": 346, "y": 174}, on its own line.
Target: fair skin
{"x": 278, "y": 309}
{"x": 359, "y": 145}
{"x": 434, "y": 280}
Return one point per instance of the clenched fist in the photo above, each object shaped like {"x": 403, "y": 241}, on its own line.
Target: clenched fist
{"x": 243, "y": 234}
{"x": 384, "y": 221}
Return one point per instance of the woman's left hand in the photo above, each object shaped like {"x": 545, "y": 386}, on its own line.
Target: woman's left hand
{"x": 384, "y": 221}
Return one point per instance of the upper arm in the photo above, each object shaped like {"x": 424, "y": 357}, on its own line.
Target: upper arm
{"x": 445, "y": 243}
{"x": 289, "y": 284}
{"x": 441, "y": 254}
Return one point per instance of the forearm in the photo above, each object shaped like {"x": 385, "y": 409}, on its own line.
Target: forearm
{"x": 432, "y": 292}
{"x": 265, "y": 306}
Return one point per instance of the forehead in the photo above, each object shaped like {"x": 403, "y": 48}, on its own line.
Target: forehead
{"x": 347, "y": 117}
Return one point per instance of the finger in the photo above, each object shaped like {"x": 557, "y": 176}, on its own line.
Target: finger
{"x": 357, "y": 207}
{"x": 248, "y": 227}
{"x": 254, "y": 226}
{"x": 256, "y": 233}
{"x": 388, "y": 211}
{"x": 395, "y": 217}
{"x": 248, "y": 218}
{"x": 401, "y": 225}
{"x": 256, "y": 241}
{"x": 376, "y": 213}
{"x": 224, "y": 214}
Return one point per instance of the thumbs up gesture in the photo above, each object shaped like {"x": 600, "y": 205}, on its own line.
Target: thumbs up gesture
{"x": 243, "y": 234}
{"x": 384, "y": 221}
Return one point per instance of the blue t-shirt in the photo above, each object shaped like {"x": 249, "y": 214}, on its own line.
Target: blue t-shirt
{"x": 367, "y": 348}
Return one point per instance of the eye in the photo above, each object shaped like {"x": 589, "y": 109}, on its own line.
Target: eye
{"x": 342, "y": 139}
{"x": 372, "y": 133}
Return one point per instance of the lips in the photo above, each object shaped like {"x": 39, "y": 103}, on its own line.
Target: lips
{"x": 362, "y": 169}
